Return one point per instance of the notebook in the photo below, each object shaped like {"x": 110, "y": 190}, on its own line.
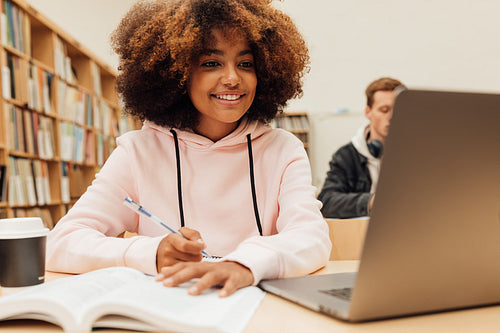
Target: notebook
{"x": 433, "y": 241}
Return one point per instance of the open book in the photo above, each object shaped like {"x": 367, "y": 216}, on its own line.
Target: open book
{"x": 121, "y": 297}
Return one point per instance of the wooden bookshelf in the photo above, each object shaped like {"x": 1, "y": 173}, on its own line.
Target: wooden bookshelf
{"x": 59, "y": 115}
{"x": 296, "y": 122}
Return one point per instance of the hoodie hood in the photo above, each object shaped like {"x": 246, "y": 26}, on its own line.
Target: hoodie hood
{"x": 359, "y": 141}
{"x": 236, "y": 137}
{"x": 373, "y": 163}
{"x": 245, "y": 133}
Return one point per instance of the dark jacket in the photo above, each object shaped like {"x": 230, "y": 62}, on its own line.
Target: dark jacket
{"x": 346, "y": 190}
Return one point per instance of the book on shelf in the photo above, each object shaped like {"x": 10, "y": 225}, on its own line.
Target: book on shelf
{"x": 19, "y": 123}
{"x": 100, "y": 149}
{"x": 79, "y": 156}
{"x": 90, "y": 148}
{"x": 29, "y": 137}
{"x": 40, "y": 171}
{"x": 3, "y": 183}
{"x": 15, "y": 193}
{"x": 60, "y": 57}
{"x": 35, "y": 127}
{"x": 96, "y": 74}
{"x": 124, "y": 298}
{"x": 27, "y": 180}
{"x": 65, "y": 193}
{"x": 46, "y": 182}
{"x": 4, "y": 33}
{"x": 47, "y": 80}
{"x": 6, "y": 88}
{"x": 77, "y": 184}
{"x": 89, "y": 114}
{"x": 45, "y": 137}
{"x": 15, "y": 138}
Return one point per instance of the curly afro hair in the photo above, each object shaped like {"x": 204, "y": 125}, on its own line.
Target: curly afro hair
{"x": 158, "y": 42}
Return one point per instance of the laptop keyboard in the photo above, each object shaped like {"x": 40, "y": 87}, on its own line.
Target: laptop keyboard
{"x": 344, "y": 293}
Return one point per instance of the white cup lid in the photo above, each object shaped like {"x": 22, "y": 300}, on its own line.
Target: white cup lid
{"x": 22, "y": 227}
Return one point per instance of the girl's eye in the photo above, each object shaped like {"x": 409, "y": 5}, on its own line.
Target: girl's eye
{"x": 210, "y": 64}
{"x": 246, "y": 64}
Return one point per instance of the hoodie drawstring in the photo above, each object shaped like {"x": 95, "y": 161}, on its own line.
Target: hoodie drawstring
{"x": 179, "y": 186}
{"x": 252, "y": 180}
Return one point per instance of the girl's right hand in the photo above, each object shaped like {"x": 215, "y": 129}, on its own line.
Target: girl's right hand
{"x": 175, "y": 248}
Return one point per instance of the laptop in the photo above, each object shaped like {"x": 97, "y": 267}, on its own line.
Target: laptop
{"x": 433, "y": 241}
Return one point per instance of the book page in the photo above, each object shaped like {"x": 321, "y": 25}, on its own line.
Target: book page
{"x": 66, "y": 299}
{"x": 156, "y": 307}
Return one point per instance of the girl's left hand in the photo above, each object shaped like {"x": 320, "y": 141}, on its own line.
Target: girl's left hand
{"x": 228, "y": 274}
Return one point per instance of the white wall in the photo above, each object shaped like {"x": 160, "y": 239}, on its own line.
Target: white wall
{"x": 435, "y": 44}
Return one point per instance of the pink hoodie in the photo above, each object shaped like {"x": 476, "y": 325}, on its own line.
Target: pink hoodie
{"x": 217, "y": 201}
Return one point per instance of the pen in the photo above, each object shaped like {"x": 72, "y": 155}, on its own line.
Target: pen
{"x": 136, "y": 207}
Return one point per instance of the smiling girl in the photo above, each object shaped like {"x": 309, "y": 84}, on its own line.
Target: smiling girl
{"x": 206, "y": 77}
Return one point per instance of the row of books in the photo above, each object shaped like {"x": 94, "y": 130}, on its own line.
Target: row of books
{"x": 96, "y": 74}
{"x": 126, "y": 124}
{"x": 105, "y": 145}
{"x": 79, "y": 145}
{"x": 42, "y": 212}
{"x": 292, "y": 123}
{"x": 30, "y": 84}
{"x": 27, "y": 83}
{"x": 74, "y": 182}
{"x": 62, "y": 63}
{"x": 15, "y": 27}
{"x": 74, "y": 104}
{"x": 30, "y": 132}
{"x": 74, "y": 142}
{"x": 105, "y": 119}
{"x": 33, "y": 133}
{"x": 28, "y": 182}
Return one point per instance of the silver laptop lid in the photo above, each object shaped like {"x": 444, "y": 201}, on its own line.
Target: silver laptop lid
{"x": 433, "y": 241}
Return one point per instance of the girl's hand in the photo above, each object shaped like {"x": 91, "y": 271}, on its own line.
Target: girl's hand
{"x": 228, "y": 274}
{"x": 175, "y": 248}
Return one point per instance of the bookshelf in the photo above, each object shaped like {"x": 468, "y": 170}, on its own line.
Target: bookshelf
{"x": 59, "y": 115}
{"x": 296, "y": 122}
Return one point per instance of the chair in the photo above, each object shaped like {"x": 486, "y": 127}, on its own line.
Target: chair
{"x": 347, "y": 236}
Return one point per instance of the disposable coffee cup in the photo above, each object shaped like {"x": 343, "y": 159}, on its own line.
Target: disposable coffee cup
{"x": 22, "y": 251}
